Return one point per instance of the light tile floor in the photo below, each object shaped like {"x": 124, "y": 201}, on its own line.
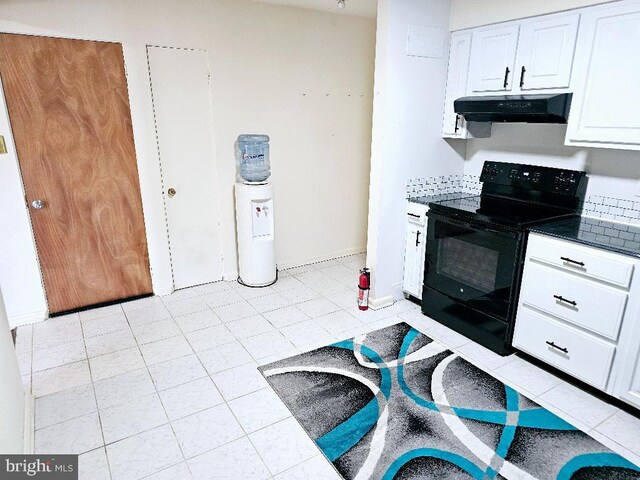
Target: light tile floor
{"x": 167, "y": 387}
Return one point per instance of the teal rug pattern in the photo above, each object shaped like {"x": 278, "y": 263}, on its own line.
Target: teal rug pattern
{"x": 395, "y": 405}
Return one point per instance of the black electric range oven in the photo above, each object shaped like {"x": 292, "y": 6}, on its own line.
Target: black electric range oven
{"x": 476, "y": 246}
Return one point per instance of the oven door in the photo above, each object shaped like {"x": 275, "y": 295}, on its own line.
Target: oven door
{"x": 471, "y": 263}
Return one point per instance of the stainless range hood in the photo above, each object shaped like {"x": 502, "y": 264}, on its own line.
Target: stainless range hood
{"x": 515, "y": 108}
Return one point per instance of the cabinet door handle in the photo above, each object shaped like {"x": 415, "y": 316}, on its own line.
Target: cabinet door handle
{"x": 418, "y": 237}
{"x": 506, "y": 77}
{"x": 568, "y": 260}
{"x": 457, "y": 127}
{"x": 413, "y": 215}
{"x": 522, "y": 76}
{"x": 562, "y": 299}
{"x": 551, "y": 344}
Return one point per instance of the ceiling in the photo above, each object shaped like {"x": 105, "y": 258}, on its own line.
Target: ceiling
{"x": 361, "y": 8}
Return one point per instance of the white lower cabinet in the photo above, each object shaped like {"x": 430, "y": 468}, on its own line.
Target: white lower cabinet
{"x": 415, "y": 249}
{"x": 627, "y": 385}
{"x": 582, "y": 316}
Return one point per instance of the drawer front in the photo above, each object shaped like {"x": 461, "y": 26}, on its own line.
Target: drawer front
{"x": 587, "y": 261}
{"x": 586, "y": 357}
{"x": 417, "y": 213}
{"x": 583, "y": 302}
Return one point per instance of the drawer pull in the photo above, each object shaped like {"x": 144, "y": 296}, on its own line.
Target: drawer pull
{"x": 562, "y": 299}
{"x": 568, "y": 260}
{"x": 551, "y": 344}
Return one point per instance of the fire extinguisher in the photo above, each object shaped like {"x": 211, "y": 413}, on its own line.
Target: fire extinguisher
{"x": 364, "y": 282}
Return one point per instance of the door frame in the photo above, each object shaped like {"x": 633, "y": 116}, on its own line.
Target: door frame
{"x": 214, "y": 159}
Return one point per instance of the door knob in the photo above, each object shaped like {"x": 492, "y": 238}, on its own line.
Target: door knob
{"x": 37, "y": 204}
{"x": 171, "y": 192}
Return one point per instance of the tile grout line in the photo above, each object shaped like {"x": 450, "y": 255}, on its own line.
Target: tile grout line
{"x": 164, "y": 409}
{"x": 226, "y": 403}
{"x": 95, "y": 398}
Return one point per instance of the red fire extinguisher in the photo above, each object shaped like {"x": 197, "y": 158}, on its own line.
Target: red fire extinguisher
{"x": 364, "y": 282}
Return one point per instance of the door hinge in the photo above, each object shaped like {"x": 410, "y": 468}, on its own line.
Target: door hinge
{"x": 209, "y": 77}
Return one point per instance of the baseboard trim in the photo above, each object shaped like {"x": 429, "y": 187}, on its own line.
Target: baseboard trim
{"x": 27, "y": 318}
{"x": 378, "y": 303}
{"x": 230, "y": 277}
{"x": 29, "y": 423}
{"x": 398, "y": 292}
{"x": 322, "y": 258}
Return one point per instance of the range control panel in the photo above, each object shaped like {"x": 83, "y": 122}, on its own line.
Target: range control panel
{"x": 532, "y": 177}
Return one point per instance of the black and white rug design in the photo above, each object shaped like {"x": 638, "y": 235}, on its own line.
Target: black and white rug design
{"x": 394, "y": 404}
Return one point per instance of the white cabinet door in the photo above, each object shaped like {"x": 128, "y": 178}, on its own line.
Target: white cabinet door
{"x": 493, "y": 56}
{"x": 414, "y": 259}
{"x": 627, "y": 366}
{"x": 415, "y": 249}
{"x": 629, "y": 389}
{"x": 453, "y": 125}
{"x": 605, "y": 78}
{"x": 545, "y": 52}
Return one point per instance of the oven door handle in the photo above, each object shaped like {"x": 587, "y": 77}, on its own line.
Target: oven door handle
{"x": 453, "y": 220}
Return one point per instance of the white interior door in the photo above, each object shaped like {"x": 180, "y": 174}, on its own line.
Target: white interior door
{"x": 184, "y": 127}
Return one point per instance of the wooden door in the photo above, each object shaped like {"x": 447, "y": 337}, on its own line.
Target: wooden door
{"x": 184, "y": 129}
{"x": 493, "y": 56}
{"x": 545, "y": 52}
{"x": 69, "y": 111}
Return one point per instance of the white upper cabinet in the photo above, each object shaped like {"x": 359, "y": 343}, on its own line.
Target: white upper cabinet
{"x": 493, "y": 57}
{"x": 592, "y": 52}
{"x": 453, "y": 126}
{"x": 545, "y": 52}
{"x": 605, "y": 78}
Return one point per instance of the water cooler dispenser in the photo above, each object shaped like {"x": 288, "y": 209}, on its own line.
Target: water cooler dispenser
{"x": 254, "y": 212}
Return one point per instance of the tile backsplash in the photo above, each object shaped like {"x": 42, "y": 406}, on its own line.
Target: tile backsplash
{"x": 424, "y": 186}
{"x": 615, "y": 209}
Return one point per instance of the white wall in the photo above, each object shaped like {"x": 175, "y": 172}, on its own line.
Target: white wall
{"x": 12, "y": 396}
{"x": 19, "y": 271}
{"x": 407, "y": 140}
{"x": 304, "y": 77}
{"x": 612, "y": 173}
{"x": 473, "y": 13}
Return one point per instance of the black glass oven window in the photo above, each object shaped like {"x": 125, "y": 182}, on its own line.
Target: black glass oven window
{"x": 468, "y": 263}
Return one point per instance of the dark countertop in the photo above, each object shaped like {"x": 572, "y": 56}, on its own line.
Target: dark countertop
{"x": 425, "y": 200}
{"x": 615, "y": 237}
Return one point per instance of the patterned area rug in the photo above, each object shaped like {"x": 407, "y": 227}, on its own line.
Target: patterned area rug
{"x": 395, "y": 404}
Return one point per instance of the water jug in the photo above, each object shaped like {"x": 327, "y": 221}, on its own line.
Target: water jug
{"x": 252, "y": 158}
